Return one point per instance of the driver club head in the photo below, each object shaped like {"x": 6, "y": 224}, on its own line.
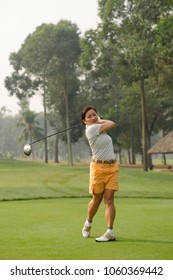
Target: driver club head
{"x": 27, "y": 150}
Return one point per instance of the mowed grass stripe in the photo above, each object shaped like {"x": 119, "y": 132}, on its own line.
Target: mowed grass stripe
{"x": 24, "y": 180}
{"x": 32, "y": 180}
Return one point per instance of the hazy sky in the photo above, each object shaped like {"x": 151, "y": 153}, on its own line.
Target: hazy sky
{"x": 18, "y": 18}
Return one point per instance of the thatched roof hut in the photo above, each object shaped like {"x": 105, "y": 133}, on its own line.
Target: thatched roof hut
{"x": 163, "y": 146}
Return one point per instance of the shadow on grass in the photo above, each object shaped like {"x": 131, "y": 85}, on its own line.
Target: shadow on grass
{"x": 122, "y": 239}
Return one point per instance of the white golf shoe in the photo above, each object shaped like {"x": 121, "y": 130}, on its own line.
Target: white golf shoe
{"x": 106, "y": 237}
{"x": 86, "y": 229}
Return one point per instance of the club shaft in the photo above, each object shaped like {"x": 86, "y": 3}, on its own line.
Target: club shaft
{"x": 63, "y": 130}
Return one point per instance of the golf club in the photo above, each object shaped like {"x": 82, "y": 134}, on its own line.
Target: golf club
{"x": 28, "y": 149}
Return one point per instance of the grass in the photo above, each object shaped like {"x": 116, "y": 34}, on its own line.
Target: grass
{"x": 32, "y": 228}
{"x": 32, "y": 180}
{"x": 40, "y": 229}
{"x": 29, "y": 180}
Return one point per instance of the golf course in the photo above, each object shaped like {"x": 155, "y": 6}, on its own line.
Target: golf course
{"x": 43, "y": 208}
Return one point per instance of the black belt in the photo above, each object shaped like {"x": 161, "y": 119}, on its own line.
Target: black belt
{"x": 104, "y": 161}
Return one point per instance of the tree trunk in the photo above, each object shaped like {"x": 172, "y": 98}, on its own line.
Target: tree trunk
{"x": 133, "y": 161}
{"x": 150, "y": 163}
{"x": 144, "y": 131}
{"x": 45, "y": 124}
{"x": 56, "y": 150}
{"x": 129, "y": 156}
{"x": 164, "y": 159}
{"x": 69, "y": 148}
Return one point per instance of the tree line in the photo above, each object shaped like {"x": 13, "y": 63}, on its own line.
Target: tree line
{"x": 124, "y": 67}
{"x": 27, "y": 126}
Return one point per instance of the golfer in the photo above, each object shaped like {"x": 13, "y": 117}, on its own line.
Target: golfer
{"x": 103, "y": 172}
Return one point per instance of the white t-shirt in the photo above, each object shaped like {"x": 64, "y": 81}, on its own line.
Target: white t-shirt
{"x": 101, "y": 144}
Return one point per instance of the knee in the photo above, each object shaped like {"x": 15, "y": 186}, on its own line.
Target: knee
{"x": 97, "y": 200}
{"x": 109, "y": 201}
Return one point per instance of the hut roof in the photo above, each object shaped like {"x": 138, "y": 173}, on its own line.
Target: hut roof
{"x": 163, "y": 146}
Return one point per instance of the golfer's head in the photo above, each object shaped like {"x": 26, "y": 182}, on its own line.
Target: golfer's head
{"x": 89, "y": 115}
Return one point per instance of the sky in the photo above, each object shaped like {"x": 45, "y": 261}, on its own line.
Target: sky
{"x": 19, "y": 18}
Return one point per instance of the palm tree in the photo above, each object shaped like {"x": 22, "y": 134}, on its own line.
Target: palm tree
{"x": 30, "y": 127}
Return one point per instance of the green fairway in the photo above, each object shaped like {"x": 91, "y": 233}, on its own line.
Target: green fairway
{"x": 51, "y": 229}
{"x": 32, "y": 228}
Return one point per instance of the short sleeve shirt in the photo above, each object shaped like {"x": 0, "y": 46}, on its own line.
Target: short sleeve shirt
{"x": 101, "y": 144}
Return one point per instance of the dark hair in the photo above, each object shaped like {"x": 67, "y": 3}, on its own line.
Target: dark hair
{"x": 85, "y": 110}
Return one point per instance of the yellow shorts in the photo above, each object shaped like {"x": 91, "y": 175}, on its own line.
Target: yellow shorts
{"x": 103, "y": 176}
